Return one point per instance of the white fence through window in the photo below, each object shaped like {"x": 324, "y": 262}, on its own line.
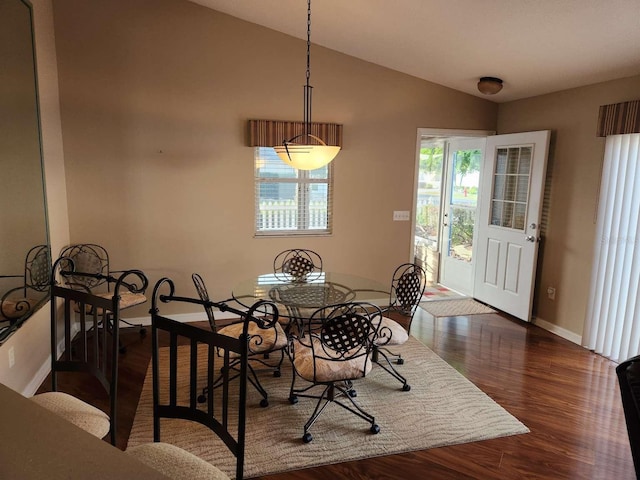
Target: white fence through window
{"x": 283, "y": 215}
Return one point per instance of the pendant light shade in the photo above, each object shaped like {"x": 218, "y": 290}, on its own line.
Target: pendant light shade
{"x": 314, "y": 153}
{"x": 306, "y": 157}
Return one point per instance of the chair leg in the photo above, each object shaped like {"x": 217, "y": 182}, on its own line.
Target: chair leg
{"x": 388, "y": 366}
{"x": 331, "y": 394}
{"x": 252, "y": 377}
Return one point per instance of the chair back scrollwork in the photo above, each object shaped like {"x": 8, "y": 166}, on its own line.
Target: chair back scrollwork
{"x": 17, "y": 303}
{"x": 297, "y": 263}
{"x": 407, "y": 287}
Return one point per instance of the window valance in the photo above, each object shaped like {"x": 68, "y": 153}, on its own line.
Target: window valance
{"x": 619, "y": 118}
{"x": 269, "y": 133}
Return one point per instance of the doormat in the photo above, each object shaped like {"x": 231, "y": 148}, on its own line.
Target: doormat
{"x": 454, "y": 308}
{"x": 439, "y": 292}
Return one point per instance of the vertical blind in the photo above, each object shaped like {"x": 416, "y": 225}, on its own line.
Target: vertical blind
{"x": 612, "y": 325}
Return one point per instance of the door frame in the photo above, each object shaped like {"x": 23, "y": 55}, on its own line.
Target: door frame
{"x": 445, "y": 134}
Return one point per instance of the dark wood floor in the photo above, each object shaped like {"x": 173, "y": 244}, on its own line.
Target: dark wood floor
{"x": 567, "y": 396}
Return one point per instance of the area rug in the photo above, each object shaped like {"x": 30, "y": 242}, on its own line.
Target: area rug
{"x": 453, "y": 308}
{"x": 442, "y": 408}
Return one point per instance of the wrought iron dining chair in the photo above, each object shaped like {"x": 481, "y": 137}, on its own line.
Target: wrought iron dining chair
{"x": 16, "y": 303}
{"x": 335, "y": 351}
{"x": 407, "y": 287}
{"x": 297, "y": 263}
{"x": 628, "y": 373}
{"x": 202, "y": 351}
{"x": 94, "y": 274}
{"x": 94, "y": 353}
{"x": 266, "y": 335}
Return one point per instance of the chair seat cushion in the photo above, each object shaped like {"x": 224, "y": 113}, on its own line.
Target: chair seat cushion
{"x": 74, "y": 410}
{"x": 390, "y": 332}
{"x": 176, "y": 463}
{"x": 127, "y": 299}
{"x": 327, "y": 370}
{"x": 262, "y": 340}
{"x": 15, "y": 308}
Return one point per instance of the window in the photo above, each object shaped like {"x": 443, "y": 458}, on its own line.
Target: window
{"x": 290, "y": 201}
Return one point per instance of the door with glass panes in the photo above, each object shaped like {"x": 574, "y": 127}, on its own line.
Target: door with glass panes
{"x": 508, "y": 228}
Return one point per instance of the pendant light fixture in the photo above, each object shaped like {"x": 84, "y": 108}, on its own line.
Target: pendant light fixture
{"x": 311, "y": 152}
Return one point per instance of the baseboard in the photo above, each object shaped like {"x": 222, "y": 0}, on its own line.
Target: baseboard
{"x": 44, "y": 370}
{"x": 38, "y": 379}
{"x": 561, "y": 332}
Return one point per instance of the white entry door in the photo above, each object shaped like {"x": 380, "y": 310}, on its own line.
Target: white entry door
{"x": 512, "y": 188}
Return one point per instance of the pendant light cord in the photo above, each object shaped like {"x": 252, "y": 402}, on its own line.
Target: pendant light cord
{"x": 307, "y": 87}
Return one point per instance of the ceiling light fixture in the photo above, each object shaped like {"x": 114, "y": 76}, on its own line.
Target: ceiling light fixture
{"x": 313, "y": 153}
{"x": 490, "y": 85}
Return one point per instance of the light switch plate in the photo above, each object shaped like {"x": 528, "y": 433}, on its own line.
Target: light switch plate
{"x": 401, "y": 216}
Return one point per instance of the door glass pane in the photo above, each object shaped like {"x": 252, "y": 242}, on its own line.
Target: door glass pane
{"x": 507, "y": 214}
{"x": 519, "y": 216}
{"x": 511, "y": 187}
{"x": 463, "y": 202}
{"x": 525, "y": 160}
{"x": 498, "y": 186}
{"x": 512, "y": 162}
{"x": 523, "y": 188}
{"x": 501, "y": 160}
{"x": 496, "y": 213}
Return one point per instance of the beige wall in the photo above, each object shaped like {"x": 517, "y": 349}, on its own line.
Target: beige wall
{"x": 154, "y": 109}
{"x": 576, "y": 165}
{"x": 31, "y": 341}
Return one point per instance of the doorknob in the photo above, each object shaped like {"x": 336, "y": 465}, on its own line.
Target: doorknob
{"x": 531, "y": 238}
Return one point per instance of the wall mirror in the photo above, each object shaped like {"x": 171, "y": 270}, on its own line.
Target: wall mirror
{"x": 25, "y": 259}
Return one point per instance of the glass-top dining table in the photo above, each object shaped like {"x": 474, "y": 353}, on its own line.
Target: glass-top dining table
{"x": 297, "y": 298}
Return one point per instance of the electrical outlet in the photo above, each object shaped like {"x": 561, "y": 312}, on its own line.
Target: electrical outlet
{"x": 12, "y": 357}
{"x": 401, "y": 216}
{"x": 551, "y": 293}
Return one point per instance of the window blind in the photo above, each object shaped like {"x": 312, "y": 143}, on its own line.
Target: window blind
{"x": 290, "y": 201}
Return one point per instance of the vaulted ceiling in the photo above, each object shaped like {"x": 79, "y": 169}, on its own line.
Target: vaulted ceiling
{"x": 535, "y": 46}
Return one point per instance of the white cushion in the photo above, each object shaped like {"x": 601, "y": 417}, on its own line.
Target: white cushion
{"x": 74, "y": 410}
{"x": 390, "y": 332}
{"x": 176, "y": 463}
{"x": 327, "y": 370}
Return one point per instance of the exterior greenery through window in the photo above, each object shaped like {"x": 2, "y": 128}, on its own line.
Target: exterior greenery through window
{"x": 466, "y": 162}
{"x": 290, "y": 201}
